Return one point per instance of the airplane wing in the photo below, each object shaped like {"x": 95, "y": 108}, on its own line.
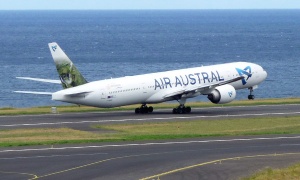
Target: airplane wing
{"x": 78, "y": 94}
{"x": 202, "y": 88}
{"x": 41, "y": 80}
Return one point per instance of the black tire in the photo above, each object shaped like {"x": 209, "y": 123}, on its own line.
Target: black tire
{"x": 188, "y": 109}
{"x": 174, "y": 111}
{"x": 183, "y": 110}
{"x": 179, "y": 110}
{"x": 137, "y": 110}
{"x": 150, "y": 109}
{"x": 251, "y": 97}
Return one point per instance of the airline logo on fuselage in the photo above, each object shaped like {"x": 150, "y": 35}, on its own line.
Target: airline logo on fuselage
{"x": 54, "y": 48}
{"x": 187, "y": 79}
{"x": 246, "y": 71}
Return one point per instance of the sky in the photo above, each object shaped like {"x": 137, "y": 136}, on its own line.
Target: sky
{"x": 146, "y": 4}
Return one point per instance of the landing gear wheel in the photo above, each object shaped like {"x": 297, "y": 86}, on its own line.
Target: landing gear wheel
{"x": 182, "y": 110}
{"x": 175, "y": 111}
{"x": 251, "y": 97}
{"x": 144, "y": 109}
{"x": 150, "y": 109}
{"x": 179, "y": 110}
{"x": 188, "y": 109}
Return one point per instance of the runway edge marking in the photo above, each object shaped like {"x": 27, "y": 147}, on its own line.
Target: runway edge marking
{"x": 27, "y": 174}
{"x": 149, "y": 144}
{"x": 93, "y": 163}
{"x": 215, "y": 161}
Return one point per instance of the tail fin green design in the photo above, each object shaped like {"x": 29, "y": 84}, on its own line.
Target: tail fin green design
{"x": 68, "y": 73}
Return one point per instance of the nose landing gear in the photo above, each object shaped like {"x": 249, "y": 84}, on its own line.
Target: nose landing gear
{"x": 251, "y": 96}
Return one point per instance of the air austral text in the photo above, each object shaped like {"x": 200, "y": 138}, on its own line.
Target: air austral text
{"x": 187, "y": 79}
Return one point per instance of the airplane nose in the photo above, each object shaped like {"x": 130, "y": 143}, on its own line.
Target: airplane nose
{"x": 265, "y": 74}
{"x": 262, "y": 73}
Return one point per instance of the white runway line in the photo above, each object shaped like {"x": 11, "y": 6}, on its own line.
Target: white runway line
{"x": 151, "y": 144}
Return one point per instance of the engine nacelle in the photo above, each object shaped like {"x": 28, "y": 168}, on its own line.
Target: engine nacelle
{"x": 222, "y": 94}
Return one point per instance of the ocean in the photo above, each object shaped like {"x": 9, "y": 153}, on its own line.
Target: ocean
{"x": 110, "y": 44}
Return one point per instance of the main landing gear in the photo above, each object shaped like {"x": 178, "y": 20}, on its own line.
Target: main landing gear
{"x": 251, "y": 96}
{"x": 181, "y": 109}
{"x": 144, "y": 109}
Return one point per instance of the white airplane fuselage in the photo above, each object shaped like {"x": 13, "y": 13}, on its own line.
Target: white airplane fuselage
{"x": 218, "y": 82}
{"x": 159, "y": 87}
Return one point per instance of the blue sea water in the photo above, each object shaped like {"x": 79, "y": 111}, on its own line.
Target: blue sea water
{"x": 109, "y": 44}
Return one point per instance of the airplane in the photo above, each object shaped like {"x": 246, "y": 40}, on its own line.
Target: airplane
{"x": 218, "y": 82}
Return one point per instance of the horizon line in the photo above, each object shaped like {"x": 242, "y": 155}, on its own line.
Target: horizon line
{"x": 147, "y": 9}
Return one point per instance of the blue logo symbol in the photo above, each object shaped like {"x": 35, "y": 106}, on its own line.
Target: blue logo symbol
{"x": 230, "y": 93}
{"x": 54, "y": 48}
{"x": 246, "y": 71}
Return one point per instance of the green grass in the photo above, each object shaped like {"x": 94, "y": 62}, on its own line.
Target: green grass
{"x": 153, "y": 131}
{"x": 73, "y": 108}
{"x": 206, "y": 128}
{"x": 48, "y": 136}
{"x": 289, "y": 173}
{"x": 150, "y": 131}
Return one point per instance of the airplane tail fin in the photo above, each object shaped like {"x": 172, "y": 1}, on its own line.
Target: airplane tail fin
{"x": 68, "y": 73}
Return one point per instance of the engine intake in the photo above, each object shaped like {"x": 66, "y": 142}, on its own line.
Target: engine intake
{"x": 222, "y": 94}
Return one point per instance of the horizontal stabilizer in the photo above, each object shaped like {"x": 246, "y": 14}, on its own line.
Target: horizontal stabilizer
{"x": 41, "y": 80}
{"x": 34, "y": 92}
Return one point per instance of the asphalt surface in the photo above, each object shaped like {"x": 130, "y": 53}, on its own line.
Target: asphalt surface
{"x": 213, "y": 158}
{"x": 83, "y": 121}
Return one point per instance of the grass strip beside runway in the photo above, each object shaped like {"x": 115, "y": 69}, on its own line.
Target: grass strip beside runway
{"x": 153, "y": 131}
{"x": 292, "y": 172}
{"x": 207, "y": 128}
{"x": 48, "y": 136}
{"x": 74, "y": 108}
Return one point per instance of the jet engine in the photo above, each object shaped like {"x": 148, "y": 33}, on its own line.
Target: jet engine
{"x": 222, "y": 94}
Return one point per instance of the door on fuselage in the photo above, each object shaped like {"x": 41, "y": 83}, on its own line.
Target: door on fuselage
{"x": 106, "y": 98}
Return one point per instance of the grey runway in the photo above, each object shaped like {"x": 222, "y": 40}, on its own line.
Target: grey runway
{"x": 83, "y": 121}
{"x": 213, "y": 158}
